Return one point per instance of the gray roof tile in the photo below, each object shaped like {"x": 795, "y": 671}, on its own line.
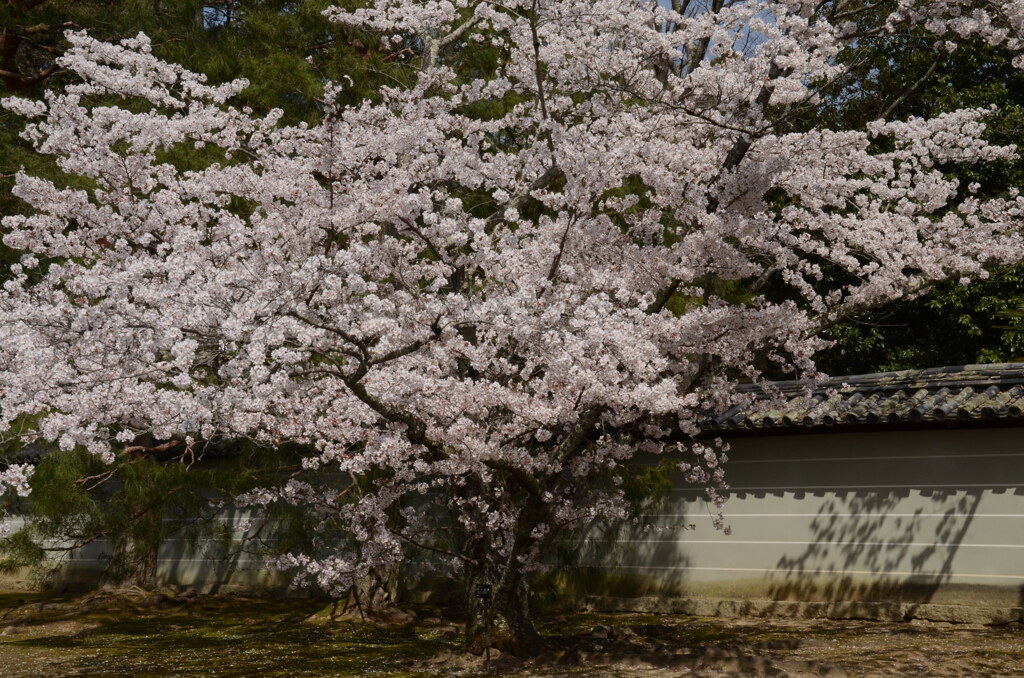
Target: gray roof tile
{"x": 943, "y": 395}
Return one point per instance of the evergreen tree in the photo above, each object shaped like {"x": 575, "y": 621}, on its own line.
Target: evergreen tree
{"x": 904, "y": 75}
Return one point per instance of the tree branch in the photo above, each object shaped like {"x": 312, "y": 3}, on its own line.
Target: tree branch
{"x": 444, "y": 552}
{"x": 416, "y": 430}
{"x": 408, "y": 349}
{"x": 910, "y": 90}
{"x": 351, "y": 338}
{"x": 664, "y": 294}
{"x": 844, "y": 312}
{"x": 525, "y": 480}
{"x": 539, "y": 78}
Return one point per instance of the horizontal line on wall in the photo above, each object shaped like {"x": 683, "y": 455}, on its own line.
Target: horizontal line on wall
{"x": 728, "y": 541}
{"x": 887, "y": 573}
{"x": 729, "y": 515}
{"x": 916, "y": 486}
{"x": 881, "y": 457}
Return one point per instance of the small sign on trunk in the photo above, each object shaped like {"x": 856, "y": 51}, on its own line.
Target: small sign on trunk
{"x": 483, "y": 591}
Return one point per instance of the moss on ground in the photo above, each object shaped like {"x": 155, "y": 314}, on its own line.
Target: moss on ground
{"x": 682, "y": 630}
{"x": 219, "y": 637}
{"x": 236, "y": 637}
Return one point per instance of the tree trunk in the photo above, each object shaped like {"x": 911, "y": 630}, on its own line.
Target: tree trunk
{"x": 136, "y": 549}
{"x": 146, "y": 571}
{"x": 511, "y": 628}
{"x": 134, "y": 562}
{"x": 375, "y": 595}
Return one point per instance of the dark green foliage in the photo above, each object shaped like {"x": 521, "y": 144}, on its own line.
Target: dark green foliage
{"x": 902, "y": 76}
{"x": 953, "y": 325}
{"x": 129, "y": 507}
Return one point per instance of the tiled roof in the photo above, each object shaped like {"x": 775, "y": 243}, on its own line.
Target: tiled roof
{"x": 941, "y": 395}
{"x": 29, "y": 454}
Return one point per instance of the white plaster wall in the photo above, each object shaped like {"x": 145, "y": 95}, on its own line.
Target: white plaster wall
{"x": 914, "y": 515}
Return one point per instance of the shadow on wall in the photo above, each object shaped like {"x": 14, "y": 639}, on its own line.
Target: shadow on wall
{"x": 228, "y": 558}
{"x": 623, "y": 559}
{"x": 882, "y": 517}
{"x": 892, "y": 546}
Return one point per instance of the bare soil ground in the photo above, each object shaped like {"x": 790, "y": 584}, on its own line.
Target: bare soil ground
{"x": 139, "y": 634}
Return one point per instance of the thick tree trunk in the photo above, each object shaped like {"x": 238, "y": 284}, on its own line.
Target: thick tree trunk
{"x": 136, "y": 549}
{"x": 375, "y": 596}
{"x": 511, "y": 626}
{"x": 135, "y": 563}
{"x": 146, "y": 572}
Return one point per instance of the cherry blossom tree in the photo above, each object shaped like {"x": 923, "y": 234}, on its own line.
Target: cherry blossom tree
{"x": 996, "y": 22}
{"x": 478, "y": 297}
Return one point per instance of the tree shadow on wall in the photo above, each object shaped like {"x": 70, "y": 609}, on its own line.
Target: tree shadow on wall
{"x": 864, "y": 548}
{"x": 221, "y": 554}
{"x": 621, "y": 558}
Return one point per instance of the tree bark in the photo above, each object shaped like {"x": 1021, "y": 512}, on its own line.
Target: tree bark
{"x": 374, "y": 596}
{"x": 135, "y": 561}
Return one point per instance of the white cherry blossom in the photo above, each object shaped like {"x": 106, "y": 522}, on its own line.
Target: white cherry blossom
{"x": 477, "y": 320}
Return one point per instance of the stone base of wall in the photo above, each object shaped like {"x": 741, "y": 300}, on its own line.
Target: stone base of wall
{"x": 76, "y": 579}
{"x": 722, "y": 607}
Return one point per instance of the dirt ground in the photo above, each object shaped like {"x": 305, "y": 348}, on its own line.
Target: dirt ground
{"x": 141, "y": 634}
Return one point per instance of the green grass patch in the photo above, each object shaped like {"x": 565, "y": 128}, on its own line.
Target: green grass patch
{"x": 219, "y": 637}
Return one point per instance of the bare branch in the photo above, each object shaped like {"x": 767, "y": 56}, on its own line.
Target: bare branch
{"x": 910, "y": 90}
